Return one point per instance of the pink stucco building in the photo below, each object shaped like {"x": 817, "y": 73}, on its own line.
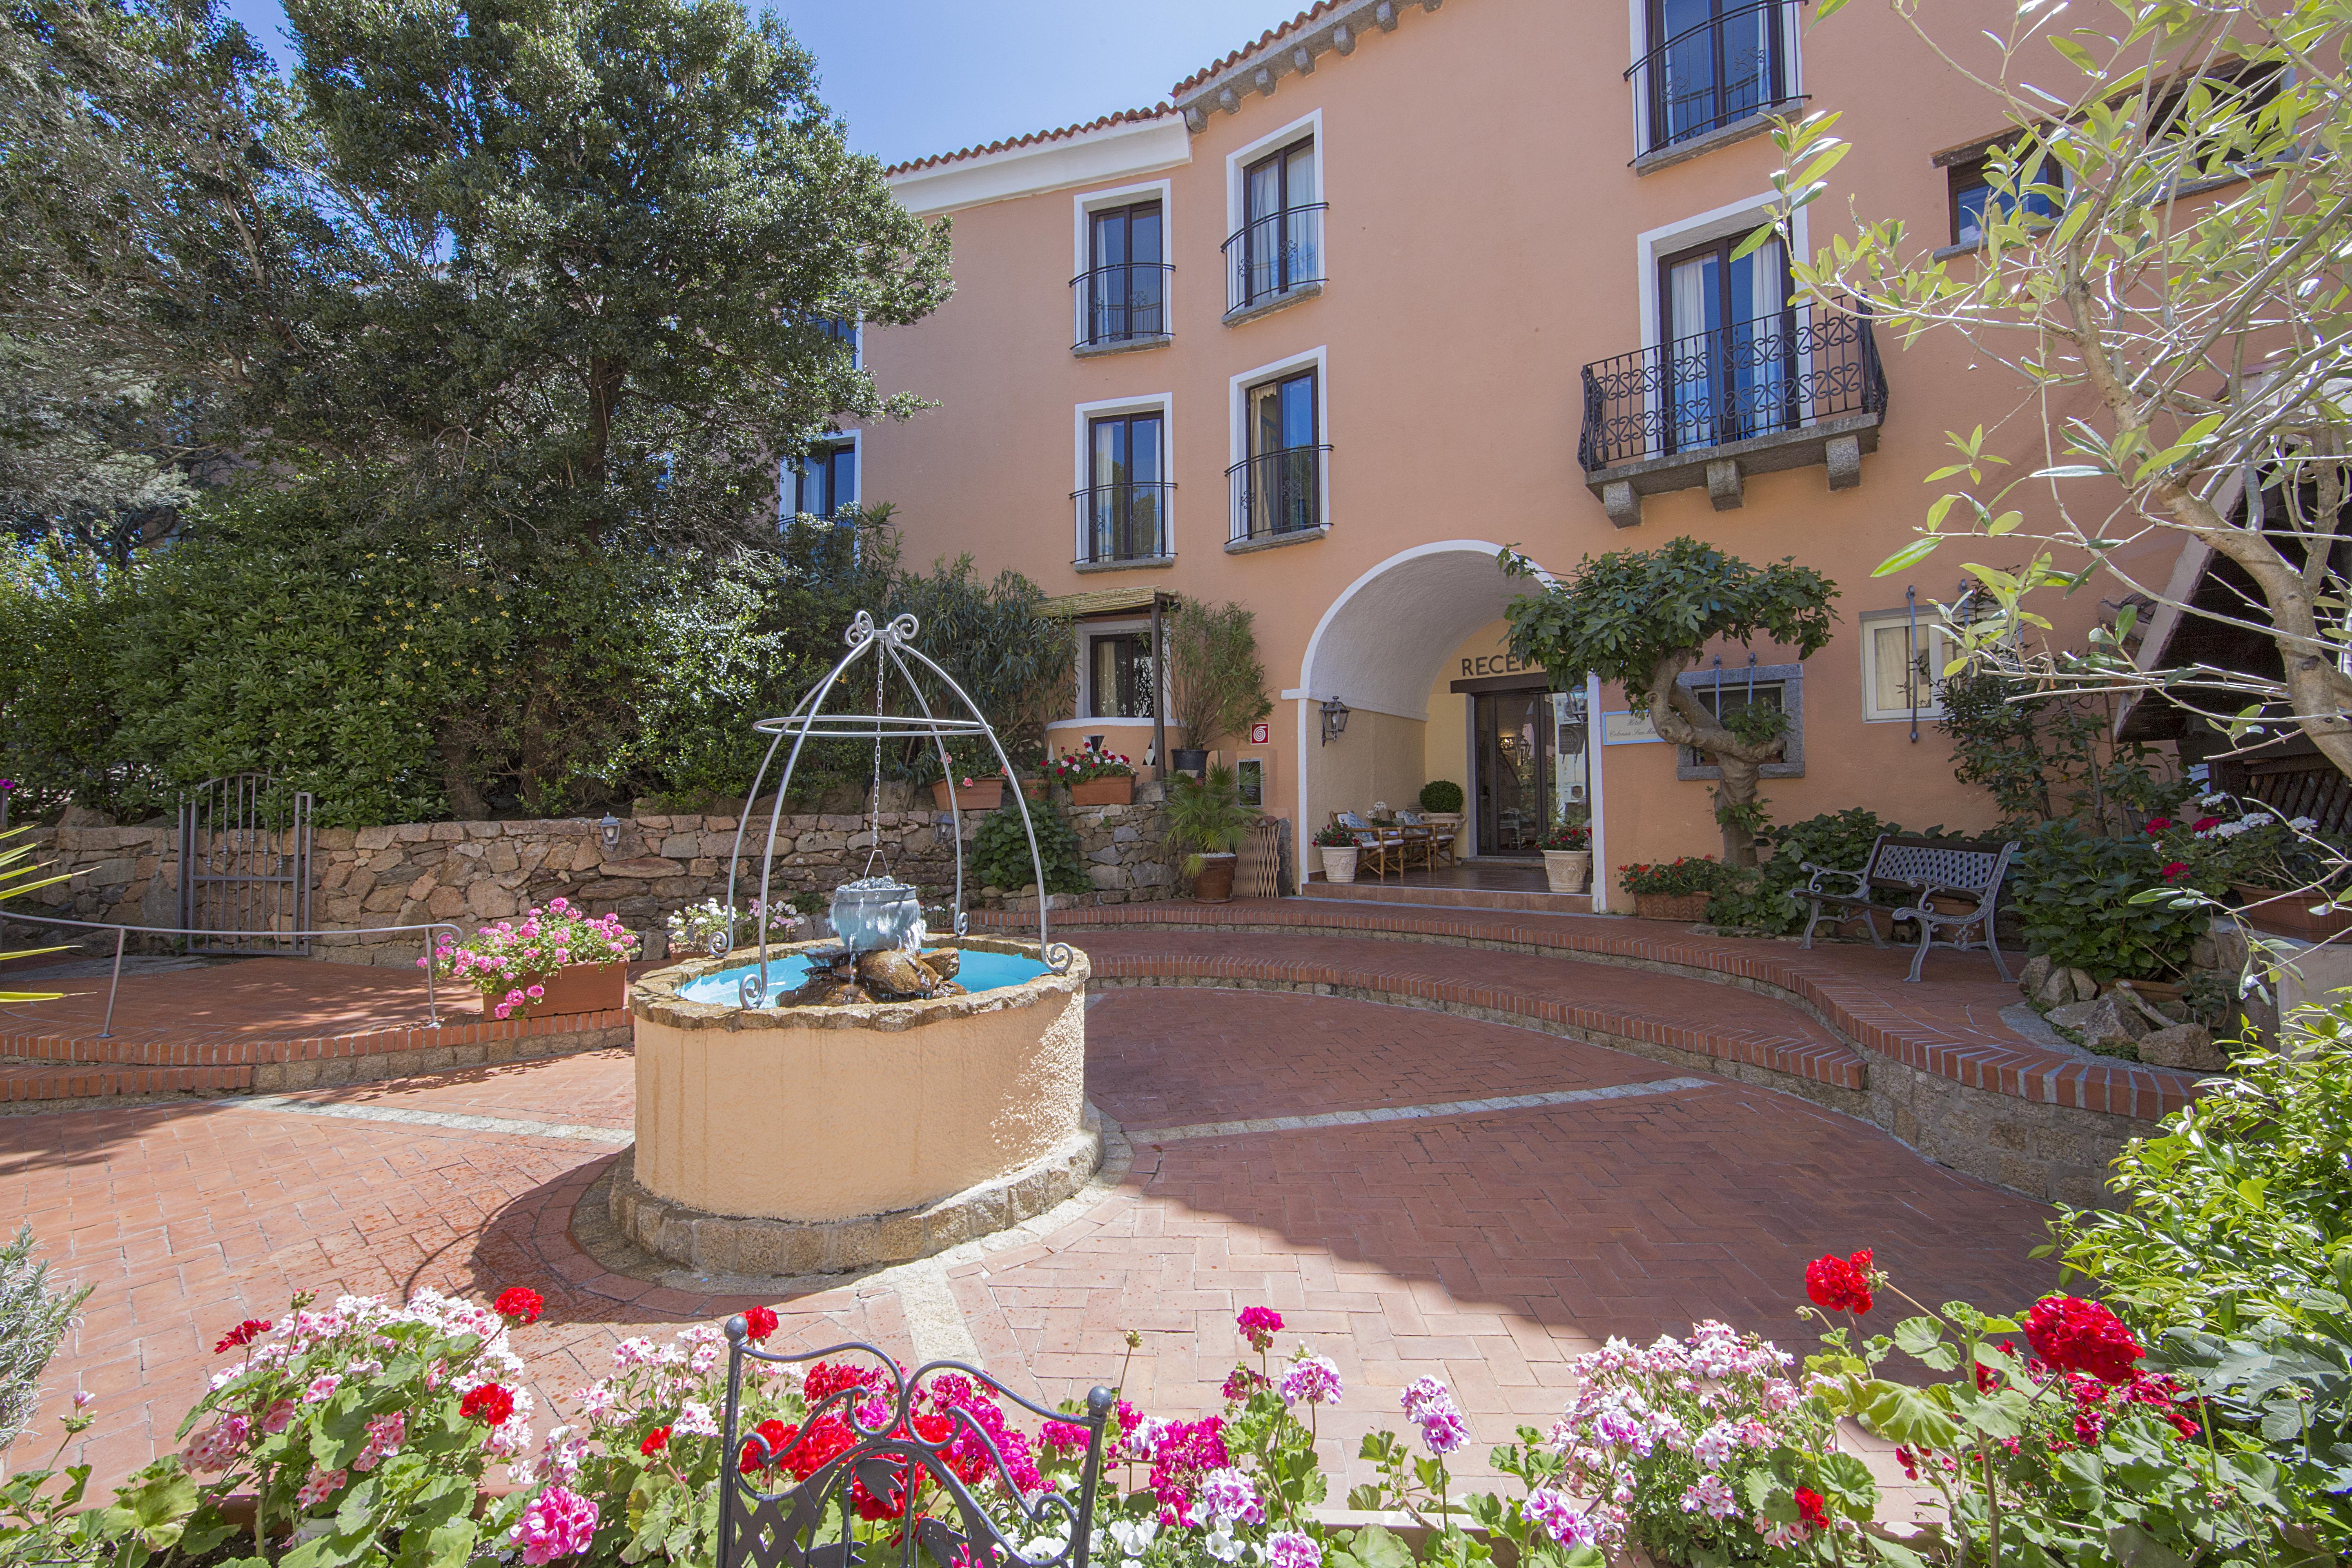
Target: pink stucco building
{"x": 1404, "y": 283}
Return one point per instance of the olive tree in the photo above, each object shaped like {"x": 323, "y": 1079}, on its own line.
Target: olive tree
{"x": 2161, "y": 270}
{"x": 1641, "y": 618}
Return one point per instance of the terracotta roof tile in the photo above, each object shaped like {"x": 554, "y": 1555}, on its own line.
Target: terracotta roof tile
{"x": 1123, "y": 117}
{"x": 1313, "y": 14}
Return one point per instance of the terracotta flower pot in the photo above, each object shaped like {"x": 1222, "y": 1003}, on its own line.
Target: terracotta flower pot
{"x": 1214, "y": 885}
{"x": 1118, "y": 791}
{"x": 1035, "y": 789}
{"x": 575, "y": 988}
{"x": 1340, "y": 864}
{"x": 1566, "y": 869}
{"x": 2289, "y": 914}
{"x": 1685, "y": 909}
{"x": 980, "y": 794}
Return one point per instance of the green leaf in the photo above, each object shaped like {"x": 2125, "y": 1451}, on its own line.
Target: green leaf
{"x": 1376, "y": 1547}
{"x": 1908, "y": 1415}
{"x": 1911, "y": 555}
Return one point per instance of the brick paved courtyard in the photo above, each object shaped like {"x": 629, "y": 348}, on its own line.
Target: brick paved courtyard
{"x": 1485, "y": 1247}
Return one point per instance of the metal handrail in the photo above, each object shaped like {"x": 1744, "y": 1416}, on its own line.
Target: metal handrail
{"x": 1290, "y": 471}
{"x": 1808, "y": 362}
{"x": 1646, "y": 68}
{"x": 106, "y": 1029}
{"x": 1089, "y": 306}
{"x": 1124, "y": 517}
{"x": 1302, "y": 231}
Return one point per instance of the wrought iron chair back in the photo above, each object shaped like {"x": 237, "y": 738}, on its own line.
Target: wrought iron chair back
{"x": 812, "y": 1520}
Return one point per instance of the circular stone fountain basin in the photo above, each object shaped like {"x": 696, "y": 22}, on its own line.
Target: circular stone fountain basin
{"x": 978, "y": 970}
{"x": 798, "y": 1140}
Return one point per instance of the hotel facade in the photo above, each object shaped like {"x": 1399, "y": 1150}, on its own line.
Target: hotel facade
{"x": 1406, "y": 282}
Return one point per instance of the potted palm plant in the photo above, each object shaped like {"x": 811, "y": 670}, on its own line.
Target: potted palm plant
{"x": 1337, "y": 848}
{"x": 1206, "y": 824}
{"x": 1567, "y": 857}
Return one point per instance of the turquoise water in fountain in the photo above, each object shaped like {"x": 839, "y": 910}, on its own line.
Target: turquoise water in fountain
{"x": 787, "y": 971}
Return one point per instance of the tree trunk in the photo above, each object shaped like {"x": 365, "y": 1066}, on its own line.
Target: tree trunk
{"x": 604, "y": 382}
{"x": 1680, "y": 719}
{"x": 466, "y": 801}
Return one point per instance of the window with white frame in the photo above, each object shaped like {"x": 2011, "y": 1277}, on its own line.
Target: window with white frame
{"x": 1118, "y": 673}
{"x": 848, "y": 330}
{"x": 1278, "y": 483}
{"x": 1275, "y": 201}
{"x": 1903, "y": 660}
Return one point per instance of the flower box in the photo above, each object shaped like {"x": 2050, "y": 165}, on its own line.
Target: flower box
{"x": 1110, "y": 791}
{"x": 971, "y": 794}
{"x": 575, "y": 989}
{"x": 1683, "y": 908}
{"x": 2289, "y": 914}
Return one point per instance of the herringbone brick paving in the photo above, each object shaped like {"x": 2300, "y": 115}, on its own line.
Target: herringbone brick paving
{"x": 1486, "y": 1249}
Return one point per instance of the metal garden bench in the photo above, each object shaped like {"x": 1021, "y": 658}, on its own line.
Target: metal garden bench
{"x": 1948, "y": 886}
{"x": 920, "y": 1479}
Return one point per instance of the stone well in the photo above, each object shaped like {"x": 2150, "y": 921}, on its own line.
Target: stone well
{"x": 785, "y": 1141}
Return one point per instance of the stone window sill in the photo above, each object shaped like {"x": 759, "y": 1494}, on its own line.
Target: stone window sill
{"x": 1276, "y": 541}
{"x": 1123, "y": 345}
{"x": 1666, "y": 157}
{"x": 1267, "y": 306}
{"x": 1135, "y": 564}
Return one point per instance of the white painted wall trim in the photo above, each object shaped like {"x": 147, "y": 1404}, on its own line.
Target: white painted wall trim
{"x": 1119, "y": 151}
{"x": 1601, "y": 882}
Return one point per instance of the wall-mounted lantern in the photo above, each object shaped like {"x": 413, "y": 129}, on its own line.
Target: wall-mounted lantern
{"x": 611, "y": 828}
{"x": 1335, "y": 719}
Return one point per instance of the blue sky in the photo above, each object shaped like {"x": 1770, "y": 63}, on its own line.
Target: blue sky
{"x": 916, "y": 77}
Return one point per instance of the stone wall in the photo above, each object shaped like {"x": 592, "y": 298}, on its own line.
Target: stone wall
{"x": 469, "y": 872}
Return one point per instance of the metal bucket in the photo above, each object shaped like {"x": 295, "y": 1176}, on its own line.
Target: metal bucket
{"x": 875, "y": 913}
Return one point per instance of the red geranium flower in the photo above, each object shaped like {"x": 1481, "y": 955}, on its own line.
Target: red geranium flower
{"x": 656, "y": 1441}
{"x": 1810, "y": 1509}
{"x": 2158, "y": 823}
{"x": 491, "y": 1405}
{"x": 1260, "y": 1324}
{"x": 2076, "y": 1335}
{"x": 775, "y": 1435}
{"x": 759, "y": 1322}
{"x": 2205, "y": 825}
{"x": 1909, "y": 1461}
{"x": 2176, "y": 870}
{"x": 518, "y": 1304}
{"x": 245, "y": 1333}
{"x": 1840, "y": 1284}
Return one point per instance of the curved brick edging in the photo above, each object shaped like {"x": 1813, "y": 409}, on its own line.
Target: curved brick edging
{"x": 1862, "y": 1011}
{"x": 2027, "y": 1122}
{"x": 729, "y": 1243}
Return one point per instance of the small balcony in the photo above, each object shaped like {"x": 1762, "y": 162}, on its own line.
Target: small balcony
{"x": 1277, "y": 497}
{"x": 1120, "y": 307}
{"x": 1786, "y": 391}
{"x": 1273, "y": 262}
{"x": 1123, "y": 525}
{"x": 1712, "y": 83}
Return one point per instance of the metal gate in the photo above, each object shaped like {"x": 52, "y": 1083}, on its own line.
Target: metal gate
{"x": 244, "y": 866}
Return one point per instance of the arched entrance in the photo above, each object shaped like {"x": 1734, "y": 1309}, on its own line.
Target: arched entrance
{"x": 1380, "y": 647}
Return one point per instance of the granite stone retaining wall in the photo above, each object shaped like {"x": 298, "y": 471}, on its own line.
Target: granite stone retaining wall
{"x": 470, "y": 872}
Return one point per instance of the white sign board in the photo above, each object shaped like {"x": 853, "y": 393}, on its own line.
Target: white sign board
{"x": 1628, "y": 729}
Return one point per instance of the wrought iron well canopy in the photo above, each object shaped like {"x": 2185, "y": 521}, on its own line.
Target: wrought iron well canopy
{"x": 890, "y": 645}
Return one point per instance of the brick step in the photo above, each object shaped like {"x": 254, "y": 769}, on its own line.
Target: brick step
{"x": 245, "y": 1049}
{"x": 1443, "y": 897}
{"x": 29, "y": 1083}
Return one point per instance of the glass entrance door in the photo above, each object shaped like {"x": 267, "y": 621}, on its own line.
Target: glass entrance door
{"x": 1531, "y": 771}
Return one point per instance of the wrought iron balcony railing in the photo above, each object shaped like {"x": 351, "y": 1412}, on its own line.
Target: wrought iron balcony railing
{"x": 1780, "y": 372}
{"x": 1274, "y": 256}
{"x": 1123, "y": 303}
{"x": 1720, "y": 72}
{"x": 1278, "y": 492}
{"x": 1123, "y": 522}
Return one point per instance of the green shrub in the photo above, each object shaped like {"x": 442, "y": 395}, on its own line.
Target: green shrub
{"x": 1000, "y": 850}
{"x": 1840, "y": 839}
{"x": 1691, "y": 874}
{"x": 1441, "y": 795}
{"x": 2073, "y": 892}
